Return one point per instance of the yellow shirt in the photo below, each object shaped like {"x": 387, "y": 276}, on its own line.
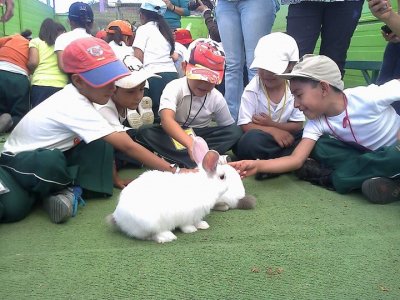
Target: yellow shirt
{"x": 47, "y": 72}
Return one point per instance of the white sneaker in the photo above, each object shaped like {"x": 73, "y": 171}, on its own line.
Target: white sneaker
{"x": 145, "y": 110}
{"x": 134, "y": 119}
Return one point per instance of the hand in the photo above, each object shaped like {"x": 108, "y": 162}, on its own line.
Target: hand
{"x": 9, "y": 13}
{"x": 262, "y": 120}
{"x": 245, "y": 168}
{"x": 381, "y": 9}
{"x": 391, "y": 37}
{"x": 169, "y": 5}
{"x": 120, "y": 183}
{"x": 201, "y": 7}
{"x": 282, "y": 137}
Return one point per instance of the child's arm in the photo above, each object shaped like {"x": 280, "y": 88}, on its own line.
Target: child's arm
{"x": 123, "y": 142}
{"x": 33, "y": 60}
{"x": 138, "y": 53}
{"x": 278, "y": 165}
{"x": 118, "y": 181}
{"x": 174, "y": 130}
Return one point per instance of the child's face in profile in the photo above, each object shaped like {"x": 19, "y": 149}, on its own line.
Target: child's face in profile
{"x": 129, "y": 98}
{"x": 200, "y": 88}
{"x": 308, "y": 98}
{"x": 99, "y": 95}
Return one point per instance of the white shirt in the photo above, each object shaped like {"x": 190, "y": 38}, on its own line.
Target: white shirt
{"x": 121, "y": 50}
{"x": 177, "y": 97}
{"x": 60, "y": 122}
{"x": 254, "y": 102}
{"x": 64, "y": 39}
{"x": 373, "y": 120}
{"x": 110, "y": 112}
{"x": 156, "y": 49}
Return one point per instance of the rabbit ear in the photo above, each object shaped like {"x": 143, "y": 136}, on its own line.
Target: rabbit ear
{"x": 200, "y": 149}
{"x": 210, "y": 161}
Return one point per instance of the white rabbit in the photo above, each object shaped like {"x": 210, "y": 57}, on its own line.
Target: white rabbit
{"x": 235, "y": 196}
{"x": 155, "y": 203}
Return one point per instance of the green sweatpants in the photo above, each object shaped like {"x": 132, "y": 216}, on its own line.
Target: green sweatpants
{"x": 352, "y": 166}
{"x": 34, "y": 175}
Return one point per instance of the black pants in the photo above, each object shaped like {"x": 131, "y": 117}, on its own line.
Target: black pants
{"x": 335, "y": 21}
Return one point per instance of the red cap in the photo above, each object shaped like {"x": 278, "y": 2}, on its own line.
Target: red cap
{"x": 183, "y": 36}
{"x": 94, "y": 61}
{"x": 206, "y": 61}
{"x": 101, "y": 34}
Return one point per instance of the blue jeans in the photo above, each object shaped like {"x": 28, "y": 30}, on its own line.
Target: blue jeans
{"x": 390, "y": 68}
{"x": 241, "y": 24}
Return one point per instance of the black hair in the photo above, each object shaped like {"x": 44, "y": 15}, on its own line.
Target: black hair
{"x": 314, "y": 83}
{"x": 49, "y": 30}
{"x": 162, "y": 26}
{"x": 115, "y": 36}
{"x": 27, "y": 33}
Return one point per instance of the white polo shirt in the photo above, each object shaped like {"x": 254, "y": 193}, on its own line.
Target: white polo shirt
{"x": 196, "y": 112}
{"x": 64, "y": 39}
{"x": 110, "y": 112}
{"x": 374, "y": 122}
{"x": 156, "y": 49}
{"x": 60, "y": 122}
{"x": 254, "y": 102}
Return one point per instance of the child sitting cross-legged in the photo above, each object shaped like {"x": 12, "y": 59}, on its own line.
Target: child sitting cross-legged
{"x": 189, "y": 105}
{"x": 271, "y": 124}
{"x": 351, "y": 134}
{"x": 127, "y": 96}
{"x": 64, "y": 146}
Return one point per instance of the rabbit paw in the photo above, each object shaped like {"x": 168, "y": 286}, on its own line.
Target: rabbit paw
{"x": 202, "y": 225}
{"x": 164, "y": 237}
{"x": 222, "y": 206}
{"x": 188, "y": 228}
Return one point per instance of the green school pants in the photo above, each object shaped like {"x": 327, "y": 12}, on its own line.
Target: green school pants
{"x": 34, "y": 175}
{"x": 352, "y": 166}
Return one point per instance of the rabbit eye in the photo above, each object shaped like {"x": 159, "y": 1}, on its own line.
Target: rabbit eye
{"x": 222, "y": 177}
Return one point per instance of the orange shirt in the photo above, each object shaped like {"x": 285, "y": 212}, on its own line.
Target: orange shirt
{"x": 15, "y": 49}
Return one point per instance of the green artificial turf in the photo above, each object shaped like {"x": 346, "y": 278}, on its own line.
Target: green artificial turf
{"x": 300, "y": 242}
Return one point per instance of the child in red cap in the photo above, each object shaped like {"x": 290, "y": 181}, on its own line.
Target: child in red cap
{"x": 64, "y": 145}
{"x": 189, "y": 104}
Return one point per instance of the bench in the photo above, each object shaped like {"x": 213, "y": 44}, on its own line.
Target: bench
{"x": 369, "y": 69}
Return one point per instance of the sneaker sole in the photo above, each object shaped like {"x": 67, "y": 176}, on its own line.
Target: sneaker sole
{"x": 381, "y": 190}
{"x": 145, "y": 110}
{"x": 58, "y": 207}
{"x": 134, "y": 120}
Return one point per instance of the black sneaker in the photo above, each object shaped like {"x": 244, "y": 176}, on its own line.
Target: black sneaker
{"x": 264, "y": 176}
{"x": 313, "y": 172}
{"x": 381, "y": 190}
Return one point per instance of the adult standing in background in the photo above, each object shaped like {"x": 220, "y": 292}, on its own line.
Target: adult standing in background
{"x": 334, "y": 20}
{"x": 241, "y": 24}
{"x": 175, "y": 10}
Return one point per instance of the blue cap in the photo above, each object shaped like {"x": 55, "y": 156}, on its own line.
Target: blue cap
{"x": 157, "y": 6}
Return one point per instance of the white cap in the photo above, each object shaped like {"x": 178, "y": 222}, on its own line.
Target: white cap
{"x": 274, "y": 51}
{"x": 138, "y": 73}
{"x": 318, "y": 68}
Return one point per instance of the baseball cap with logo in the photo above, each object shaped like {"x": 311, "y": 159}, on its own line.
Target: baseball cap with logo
{"x": 183, "y": 36}
{"x": 124, "y": 26}
{"x": 79, "y": 11}
{"x": 206, "y": 61}
{"x": 318, "y": 68}
{"x": 138, "y": 73}
{"x": 94, "y": 61}
{"x": 157, "y": 6}
{"x": 274, "y": 51}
